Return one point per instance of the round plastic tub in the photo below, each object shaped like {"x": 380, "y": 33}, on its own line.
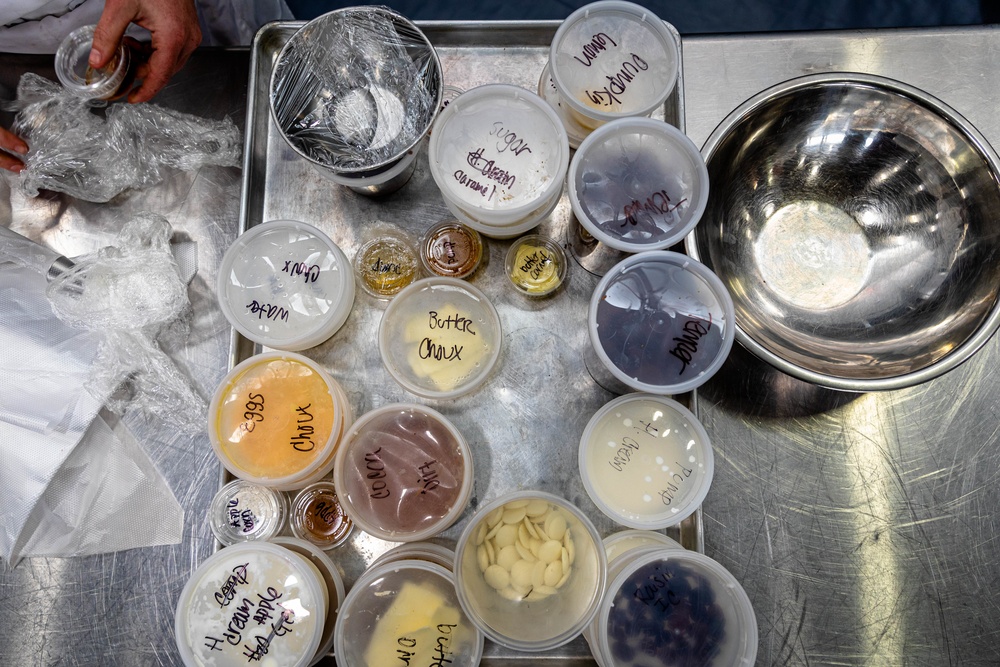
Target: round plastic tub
{"x": 499, "y": 155}
{"x": 624, "y": 541}
{"x": 667, "y": 607}
{"x": 318, "y": 517}
{"x": 646, "y": 461}
{"x": 276, "y": 419}
{"x": 242, "y": 511}
{"x": 334, "y": 586}
{"x": 431, "y": 552}
{"x": 405, "y": 612}
{"x": 77, "y": 76}
{"x": 440, "y": 338}
{"x": 404, "y": 472}
{"x": 613, "y": 59}
{"x": 536, "y": 265}
{"x": 451, "y": 249}
{"x": 661, "y": 322}
{"x": 386, "y": 263}
{"x": 638, "y": 184}
{"x": 249, "y": 601}
{"x": 530, "y": 568}
{"x": 286, "y": 285}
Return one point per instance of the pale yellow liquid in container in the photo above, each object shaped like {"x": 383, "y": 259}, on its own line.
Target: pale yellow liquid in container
{"x": 275, "y": 418}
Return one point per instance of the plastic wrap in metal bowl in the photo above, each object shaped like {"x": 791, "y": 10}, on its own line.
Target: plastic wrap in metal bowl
{"x": 354, "y": 91}
{"x": 856, "y": 222}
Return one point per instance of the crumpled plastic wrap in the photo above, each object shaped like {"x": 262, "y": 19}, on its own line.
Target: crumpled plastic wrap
{"x": 132, "y": 292}
{"x": 76, "y": 151}
{"x": 355, "y": 87}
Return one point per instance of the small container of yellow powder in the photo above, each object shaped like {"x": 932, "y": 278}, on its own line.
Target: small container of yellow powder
{"x": 276, "y": 419}
{"x": 536, "y": 265}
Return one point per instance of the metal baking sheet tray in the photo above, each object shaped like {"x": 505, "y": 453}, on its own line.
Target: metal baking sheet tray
{"x": 525, "y": 423}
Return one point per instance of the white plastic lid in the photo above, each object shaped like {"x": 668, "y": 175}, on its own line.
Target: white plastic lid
{"x": 638, "y": 184}
{"x": 440, "y": 337}
{"x": 530, "y": 569}
{"x": 661, "y": 322}
{"x": 283, "y": 619}
{"x": 497, "y": 231}
{"x": 646, "y": 461}
{"x": 242, "y": 511}
{"x": 405, "y": 610}
{"x": 675, "y": 607}
{"x": 614, "y": 59}
{"x": 286, "y": 285}
{"x": 334, "y": 586}
{"x": 498, "y": 152}
{"x": 276, "y": 419}
{"x": 404, "y": 472}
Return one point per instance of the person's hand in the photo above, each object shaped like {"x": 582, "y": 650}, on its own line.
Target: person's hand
{"x": 173, "y": 25}
{"x": 13, "y": 143}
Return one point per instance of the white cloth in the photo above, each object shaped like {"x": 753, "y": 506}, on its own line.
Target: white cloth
{"x": 38, "y": 26}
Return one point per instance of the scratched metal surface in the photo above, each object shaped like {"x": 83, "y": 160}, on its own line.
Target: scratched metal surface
{"x": 864, "y": 527}
{"x": 524, "y": 425}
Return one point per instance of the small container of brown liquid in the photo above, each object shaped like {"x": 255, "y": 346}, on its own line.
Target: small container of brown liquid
{"x": 318, "y": 518}
{"x": 451, "y": 249}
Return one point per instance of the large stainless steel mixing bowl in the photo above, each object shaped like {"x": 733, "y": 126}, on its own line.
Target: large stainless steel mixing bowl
{"x": 856, "y": 222}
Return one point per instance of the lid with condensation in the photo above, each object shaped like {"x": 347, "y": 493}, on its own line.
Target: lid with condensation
{"x": 286, "y": 285}
{"x": 613, "y": 59}
{"x": 251, "y": 602}
{"x": 661, "y": 322}
{"x": 498, "y": 152}
{"x": 638, "y": 184}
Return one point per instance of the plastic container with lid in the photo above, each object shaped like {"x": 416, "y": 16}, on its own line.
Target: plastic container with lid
{"x": 646, "y": 461}
{"x": 530, "y": 569}
{"x": 387, "y": 263}
{"x": 286, "y": 285}
{"x": 613, "y": 59}
{"x": 404, "y": 472}
{"x": 276, "y": 419}
{"x": 661, "y": 322}
{"x": 499, "y": 155}
{"x": 77, "y": 76}
{"x": 638, "y": 184}
{"x": 334, "y": 586}
{"x": 628, "y": 540}
{"x": 668, "y": 607}
{"x": 440, "y": 338}
{"x": 242, "y": 511}
{"x": 252, "y": 602}
{"x": 431, "y": 552}
{"x": 451, "y": 249}
{"x": 405, "y": 612}
{"x": 536, "y": 265}
{"x": 318, "y": 517}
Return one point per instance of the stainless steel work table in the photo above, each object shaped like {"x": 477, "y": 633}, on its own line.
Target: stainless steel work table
{"x": 862, "y": 526}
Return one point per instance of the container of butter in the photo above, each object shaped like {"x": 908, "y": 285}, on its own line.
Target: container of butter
{"x": 405, "y": 613}
{"x": 440, "y": 338}
{"x": 252, "y": 602}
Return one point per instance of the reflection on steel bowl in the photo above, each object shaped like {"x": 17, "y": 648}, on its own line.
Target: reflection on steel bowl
{"x": 854, "y": 220}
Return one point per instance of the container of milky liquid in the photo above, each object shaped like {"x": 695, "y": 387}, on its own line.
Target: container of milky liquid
{"x": 610, "y": 60}
{"x": 661, "y": 322}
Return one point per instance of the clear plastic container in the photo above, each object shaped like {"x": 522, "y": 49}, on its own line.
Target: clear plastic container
{"x": 428, "y": 551}
{"x": 404, "y": 472}
{"x": 646, "y": 461}
{"x": 334, "y": 587}
{"x": 276, "y": 419}
{"x": 318, "y": 517}
{"x": 530, "y": 569}
{"x": 536, "y": 265}
{"x": 282, "y": 596}
{"x": 661, "y": 322}
{"x": 625, "y": 541}
{"x": 242, "y": 511}
{"x": 440, "y": 338}
{"x": 503, "y": 231}
{"x": 451, "y": 249}
{"x": 78, "y": 77}
{"x": 286, "y": 285}
{"x": 405, "y": 612}
{"x": 668, "y": 607}
{"x": 638, "y": 184}
{"x": 387, "y": 263}
{"x": 499, "y": 155}
{"x": 613, "y": 59}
